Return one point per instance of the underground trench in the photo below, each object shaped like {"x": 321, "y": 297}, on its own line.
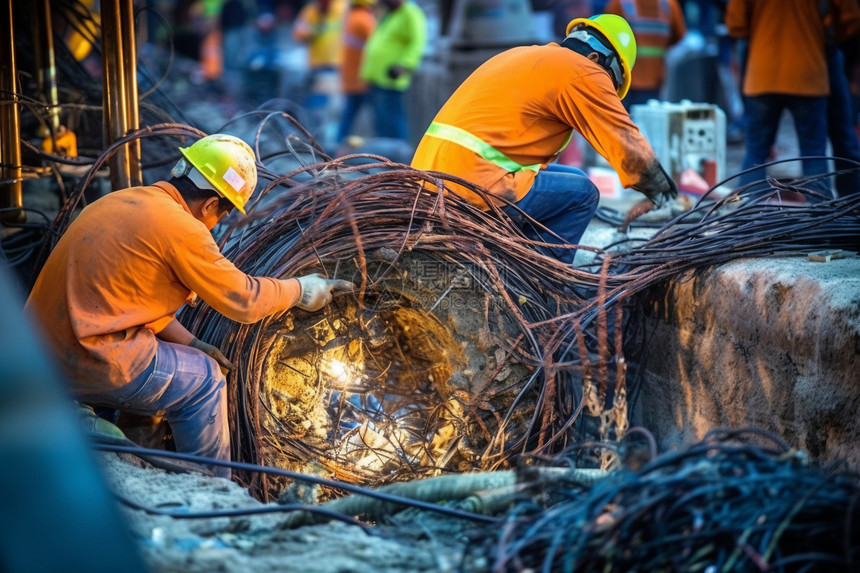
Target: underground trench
{"x": 386, "y": 390}
{"x": 408, "y": 381}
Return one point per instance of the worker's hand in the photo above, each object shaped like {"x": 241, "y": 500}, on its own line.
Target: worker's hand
{"x": 396, "y": 71}
{"x": 212, "y": 351}
{"x": 316, "y": 291}
{"x": 663, "y": 191}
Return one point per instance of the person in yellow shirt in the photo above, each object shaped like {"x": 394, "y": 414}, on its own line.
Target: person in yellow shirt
{"x": 319, "y": 25}
{"x": 506, "y": 124}
{"x": 107, "y": 296}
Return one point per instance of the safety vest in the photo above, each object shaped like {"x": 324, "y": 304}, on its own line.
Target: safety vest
{"x": 659, "y": 27}
{"x": 486, "y": 151}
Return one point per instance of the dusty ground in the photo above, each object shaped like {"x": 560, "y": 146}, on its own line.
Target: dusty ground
{"x": 412, "y": 541}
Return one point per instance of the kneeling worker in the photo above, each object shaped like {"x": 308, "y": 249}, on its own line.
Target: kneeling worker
{"x": 107, "y": 296}
{"x": 506, "y": 124}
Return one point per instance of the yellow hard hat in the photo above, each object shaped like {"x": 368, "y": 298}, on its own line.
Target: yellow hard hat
{"x": 617, "y": 31}
{"x": 228, "y": 165}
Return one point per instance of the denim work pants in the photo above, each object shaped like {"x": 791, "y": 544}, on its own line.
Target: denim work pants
{"x": 563, "y": 199}
{"x": 352, "y": 105}
{"x": 187, "y": 387}
{"x": 389, "y": 113}
{"x": 810, "y": 124}
{"x": 840, "y": 124}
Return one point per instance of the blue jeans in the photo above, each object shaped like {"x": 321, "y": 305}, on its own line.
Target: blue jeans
{"x": 810, "y": 122}
{"x": 563, "y": 199}
{"x": 185, "y": 386}
{"x": 389, "y": 113}
{"x": 351, "y": 106}
{"x": 840, "y": 124}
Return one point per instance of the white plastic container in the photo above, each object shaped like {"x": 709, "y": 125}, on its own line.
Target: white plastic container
{"x": 685, "y": 135}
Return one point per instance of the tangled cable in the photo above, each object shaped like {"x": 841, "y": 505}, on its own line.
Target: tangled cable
{"x": 567, "y": 329}
{"x": 740, "y": 500}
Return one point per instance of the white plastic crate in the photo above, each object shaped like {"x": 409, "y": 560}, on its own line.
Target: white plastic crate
{"x": 685, "y": 135}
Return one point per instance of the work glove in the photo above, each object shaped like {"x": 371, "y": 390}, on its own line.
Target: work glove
{"x": 223, "y": 363}
{"x": 316, "y": 291}
{"x": 663, "y": 191}
{"x": 396, "y": 71}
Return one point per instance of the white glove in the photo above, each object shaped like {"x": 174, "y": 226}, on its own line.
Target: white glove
{"x": 316, "y": 291}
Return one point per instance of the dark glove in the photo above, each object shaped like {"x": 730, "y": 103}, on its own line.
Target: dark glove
{"x": 396, "y": 71}
{"x": 664, "y": 191}
{"x": 213, "y": 351}
{"x": 316, "y": 291}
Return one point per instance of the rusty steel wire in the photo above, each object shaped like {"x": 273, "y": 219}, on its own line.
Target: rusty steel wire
{"x": 363, "y": 218}
{"x": 573, "y": 325}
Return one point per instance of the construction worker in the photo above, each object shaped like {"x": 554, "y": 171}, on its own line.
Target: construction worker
{"x": 792, "y": 33}
{"x": 506, "y": 124}
{"x": 319, "y": 26}
{"x": 391, "y": 56}
{"x": 107, "y": 296}
{"x": 657, "y": 25}
{"x": 357, "y": 29}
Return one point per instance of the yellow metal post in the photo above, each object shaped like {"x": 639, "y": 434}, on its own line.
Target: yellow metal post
{"x": 11, "y": 196}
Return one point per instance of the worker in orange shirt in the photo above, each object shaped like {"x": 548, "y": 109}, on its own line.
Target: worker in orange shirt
{"x": 107, "y": 296}
{"x": 657, "y": 25}
{"x": 787, "y": 70}
{"x": 359, "y": 25}
{"x": 506, "y": 124}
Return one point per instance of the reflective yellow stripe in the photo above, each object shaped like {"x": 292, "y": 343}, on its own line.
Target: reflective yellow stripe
{"x": 465, "y": 139}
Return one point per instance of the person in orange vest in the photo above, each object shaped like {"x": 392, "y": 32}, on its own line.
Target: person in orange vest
{"x": 657, "y": 25}
{"x": 107, "y": 296}
{"x": 359, "y": 25}
{"x": 506, "y": 124}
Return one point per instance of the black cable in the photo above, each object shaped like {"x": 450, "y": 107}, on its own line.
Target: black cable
{"x": 354, "y": 489}
{"x": 285, "y": 508}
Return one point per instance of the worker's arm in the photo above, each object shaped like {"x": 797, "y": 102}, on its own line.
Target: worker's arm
{"x": 738, "y": 14}
{"x": 200, "y": 266}
{"x": 175, "y": 332}
{"x": 591, "y": 106}
{"x": 677, "y": 26}
{"x": 303, "y": 28}
{"x": 846, "y": 23}
{"x": 415, "y": 26}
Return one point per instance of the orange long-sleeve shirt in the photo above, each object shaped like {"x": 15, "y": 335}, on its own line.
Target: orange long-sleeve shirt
{"x": 657, "y": 25}
{"x": 524, "y": 102}
{"x": 787, "y": 43}
{"x": 119, "y": 274}
{"x": 359, "y": 25}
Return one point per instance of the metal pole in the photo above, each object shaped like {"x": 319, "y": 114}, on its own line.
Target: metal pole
{"x": 46, "y": 63}
{"x": 115, "y": 94}
{"x": 11, "y": 196}
{"x": 129, "y": 53}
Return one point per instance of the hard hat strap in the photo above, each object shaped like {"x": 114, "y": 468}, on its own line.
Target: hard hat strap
{"x": 584, "y": 42}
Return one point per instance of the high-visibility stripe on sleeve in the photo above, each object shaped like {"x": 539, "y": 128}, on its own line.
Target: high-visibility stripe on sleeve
{"x": 471, "y": 142}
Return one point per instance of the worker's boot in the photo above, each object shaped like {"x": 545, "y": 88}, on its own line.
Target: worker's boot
{"x": 96, "y": 426}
